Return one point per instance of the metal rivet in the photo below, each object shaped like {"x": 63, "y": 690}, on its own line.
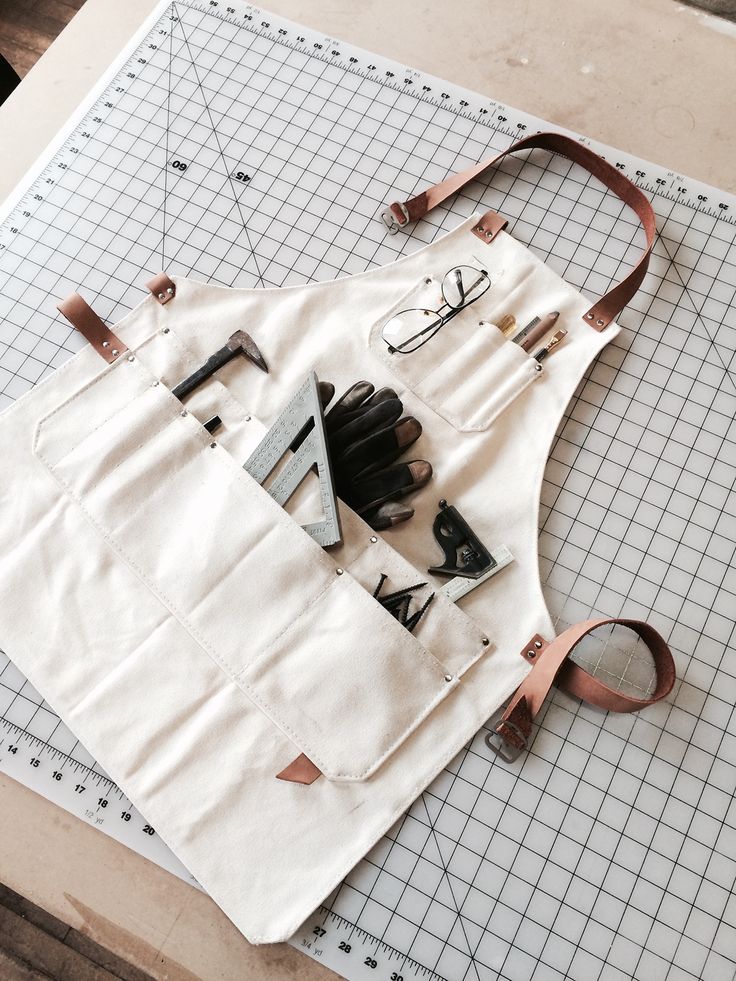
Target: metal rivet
{"x": 489, "y": 234}
{"x": 589, "y": 316}
{"x": 162, "y": 296}
{"x": 531, "y": 654}
{"x": 247, "y": 418}
{"x": 155, "y": 384}
{"x": 213, "y": 445}
{"x": 428, "y": 280}
{"x": 479, "y": 228}
{"x": 170, "y": 290}
{"x": 165, "y": 330}
{"x": 131, "y": 358}
{"x": 538, "y": 367}
{"x": 485, "y": 642}
{"x": 448, "y": 677}
{"x": 106, "y": 344}
{"x": 115, "y": 352}
{"x": 184, "y": 412}
{"x": 338, "y": 572}
{"x": 537, "y": 644}
{"x": 374, "y": 539}
{"x": 599, "y": 322}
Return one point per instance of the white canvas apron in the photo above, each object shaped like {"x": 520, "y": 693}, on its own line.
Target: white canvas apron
{"x": 197, "y": 640}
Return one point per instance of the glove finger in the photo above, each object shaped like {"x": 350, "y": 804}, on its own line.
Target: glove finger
{"x": 376, "y": 418}
{"x": 382, "y": 395}
{"x": 326, "y": 393}
{"x": 387, "y": 515}
{"x": 389, "y": 484}
{"x": 379, "y": 449}
{"x": 348, "y": 402}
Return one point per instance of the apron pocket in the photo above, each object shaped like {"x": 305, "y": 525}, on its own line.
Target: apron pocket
{"x": 467, "y": 372}
{"x": 328, "y": 665}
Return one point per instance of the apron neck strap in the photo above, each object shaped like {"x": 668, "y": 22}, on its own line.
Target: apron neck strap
{"x": 608, "y": 307}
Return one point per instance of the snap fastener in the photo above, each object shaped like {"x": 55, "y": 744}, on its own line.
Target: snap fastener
{"x": 374, "y": 539}
{"x": 339, "y": 572}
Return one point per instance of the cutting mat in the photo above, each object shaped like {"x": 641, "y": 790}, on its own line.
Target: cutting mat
{"x": 231, "y": 145}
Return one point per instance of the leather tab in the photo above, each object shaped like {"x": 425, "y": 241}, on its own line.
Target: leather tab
{"x": 162, "y": 287}
{"x": 83, "y": 318}
{"x": 534, "y": 649}
{"x": 300, "y": 770}
{"x": 489, "y": 226}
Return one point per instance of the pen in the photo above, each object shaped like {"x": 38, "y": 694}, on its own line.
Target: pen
{"x": 551, "y": 344}
{"x": 540, "y": 330}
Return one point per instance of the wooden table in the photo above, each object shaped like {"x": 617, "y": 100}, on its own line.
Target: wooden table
{"x": 647, "y": 76}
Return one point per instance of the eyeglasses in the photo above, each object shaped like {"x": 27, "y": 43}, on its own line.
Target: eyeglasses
{"x": 410, "y": 329}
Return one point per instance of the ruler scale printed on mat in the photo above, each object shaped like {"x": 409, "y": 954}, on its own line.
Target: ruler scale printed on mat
{"x": 233, "y": 146}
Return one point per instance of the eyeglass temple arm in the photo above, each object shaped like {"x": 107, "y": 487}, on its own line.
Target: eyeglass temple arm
{"x": 609, "y": 306}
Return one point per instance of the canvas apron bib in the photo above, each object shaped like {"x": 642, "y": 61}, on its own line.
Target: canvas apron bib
{"x": 199, "y": 642}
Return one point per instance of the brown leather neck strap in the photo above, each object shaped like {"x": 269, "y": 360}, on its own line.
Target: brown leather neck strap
{"x": 553, "y": 667}
{"x": 606, "y": 309}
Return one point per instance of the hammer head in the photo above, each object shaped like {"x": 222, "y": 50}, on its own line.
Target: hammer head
{"x": 242, "y": 341}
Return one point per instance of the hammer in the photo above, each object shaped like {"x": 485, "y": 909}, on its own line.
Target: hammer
{"x": 238, "y": 343}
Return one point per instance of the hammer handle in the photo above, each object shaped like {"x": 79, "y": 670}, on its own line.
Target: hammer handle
{"x": 211, "y": 365}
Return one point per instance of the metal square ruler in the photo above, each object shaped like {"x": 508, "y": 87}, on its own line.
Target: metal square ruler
{"x": 228, "y": 144}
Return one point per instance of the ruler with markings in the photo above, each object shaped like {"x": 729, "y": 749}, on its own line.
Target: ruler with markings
{"x": 231, "y": 145}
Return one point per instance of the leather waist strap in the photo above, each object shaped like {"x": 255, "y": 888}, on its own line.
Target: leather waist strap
{"x": 552, "y": 666}
{"x": 608, "y": 307}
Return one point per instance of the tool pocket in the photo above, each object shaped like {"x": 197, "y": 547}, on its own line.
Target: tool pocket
{"x": 467, "y": 372}
{"x": 295, "y": 631}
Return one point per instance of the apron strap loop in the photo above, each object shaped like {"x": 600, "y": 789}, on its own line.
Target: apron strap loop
{"x": 552, "y": 666}
{"x": 608, "y": 307}
{"x": 83, "y": 318}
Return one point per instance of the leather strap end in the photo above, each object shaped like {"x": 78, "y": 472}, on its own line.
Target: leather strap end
{"x": 489, "y": 226}
{"x": 83, "y": 318}
{"x": 300, "y": 770}
{"x": 162, "y": 287}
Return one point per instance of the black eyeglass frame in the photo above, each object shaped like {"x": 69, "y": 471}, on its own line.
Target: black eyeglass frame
{"x": 443, "y": 318}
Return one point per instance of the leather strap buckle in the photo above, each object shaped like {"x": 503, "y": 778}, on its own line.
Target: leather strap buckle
{"x": 395, "y": 217}
{"x": 502, "y": 746}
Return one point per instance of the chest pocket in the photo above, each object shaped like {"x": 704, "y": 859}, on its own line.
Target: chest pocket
{"x": 467, "y": 372}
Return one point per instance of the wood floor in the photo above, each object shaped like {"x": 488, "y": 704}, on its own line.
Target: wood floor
{"x": 27, "y": 28}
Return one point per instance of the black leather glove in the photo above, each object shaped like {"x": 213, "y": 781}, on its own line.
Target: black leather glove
{"x": 366, "y": 434}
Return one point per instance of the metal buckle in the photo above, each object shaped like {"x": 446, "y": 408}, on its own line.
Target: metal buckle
{"x": 390, "y": 220}
{"x": 507, "y": 751}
